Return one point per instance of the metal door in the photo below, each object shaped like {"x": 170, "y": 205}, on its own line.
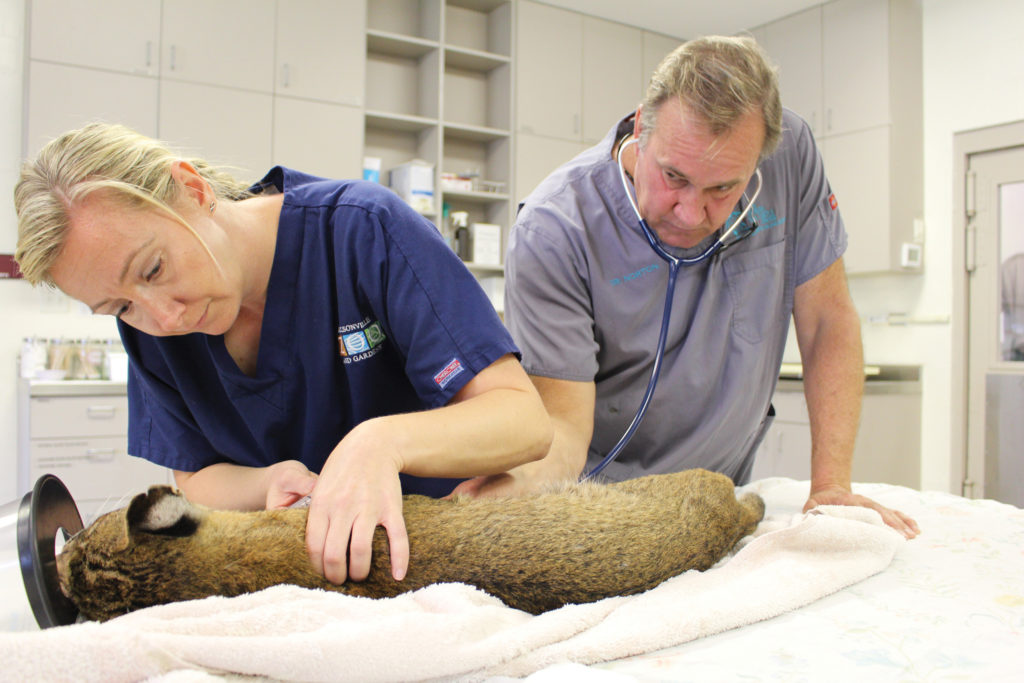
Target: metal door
{"x": 995, "y": 263}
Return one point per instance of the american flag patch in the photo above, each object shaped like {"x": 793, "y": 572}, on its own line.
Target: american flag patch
{"x": 448, "y": 373}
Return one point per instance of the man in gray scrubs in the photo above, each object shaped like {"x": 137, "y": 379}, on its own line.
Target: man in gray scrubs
{"x": 585, "y": 291}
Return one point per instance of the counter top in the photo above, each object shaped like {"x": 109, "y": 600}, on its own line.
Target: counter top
{"x": 76, "y": 387}
{"x": 872, "y": 373}
{"x": 878, "y": 379}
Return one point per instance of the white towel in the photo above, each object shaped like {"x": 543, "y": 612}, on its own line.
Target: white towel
{"x": 454, "y": 630}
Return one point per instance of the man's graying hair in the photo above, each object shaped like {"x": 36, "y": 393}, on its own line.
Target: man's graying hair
{"x": 720, "y": 79}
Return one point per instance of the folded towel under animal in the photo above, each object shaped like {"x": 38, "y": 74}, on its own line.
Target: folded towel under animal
{"x": 454, "y": 630}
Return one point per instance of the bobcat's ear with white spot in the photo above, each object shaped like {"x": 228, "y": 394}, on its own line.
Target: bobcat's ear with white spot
{"x": 162, "y": 510}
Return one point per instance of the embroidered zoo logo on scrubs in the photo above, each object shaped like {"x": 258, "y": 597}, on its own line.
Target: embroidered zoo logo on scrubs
{"x": 359, "y": 341}
{"x": 760, "y": 218}
{"x": 448, "y": 373}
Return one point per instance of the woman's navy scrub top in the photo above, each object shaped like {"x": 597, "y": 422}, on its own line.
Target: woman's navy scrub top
{"x": 368, "y": 313}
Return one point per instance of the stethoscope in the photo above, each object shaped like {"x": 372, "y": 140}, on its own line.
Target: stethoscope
{"x": 674, "y": 263}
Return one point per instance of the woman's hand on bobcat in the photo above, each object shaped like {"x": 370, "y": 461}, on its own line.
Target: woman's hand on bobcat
{"x": 289, "y": 481}
{"x": 358, "y": 490}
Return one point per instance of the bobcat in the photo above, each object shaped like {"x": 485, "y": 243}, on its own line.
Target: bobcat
{"x": 536, "y": 553}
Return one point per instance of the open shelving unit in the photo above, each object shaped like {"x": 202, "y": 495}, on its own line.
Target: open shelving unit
{"x": 439, "y": 84}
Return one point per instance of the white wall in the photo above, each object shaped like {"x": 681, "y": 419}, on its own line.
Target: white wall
{"x": 12, "y": 22}
{"x": 973, "y": 71}
{"x": 12, "y": 19}
{"x": 25, "y": 311}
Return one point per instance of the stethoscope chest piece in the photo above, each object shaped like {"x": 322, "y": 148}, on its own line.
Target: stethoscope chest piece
{"x": 45, "y": 511}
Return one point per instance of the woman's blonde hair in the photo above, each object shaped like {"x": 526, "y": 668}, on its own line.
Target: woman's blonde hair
{"x": 130, "y": 167}
{"x": 720, "y": 79}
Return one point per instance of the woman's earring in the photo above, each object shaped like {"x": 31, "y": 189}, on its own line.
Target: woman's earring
{"x": 213, "y": 206}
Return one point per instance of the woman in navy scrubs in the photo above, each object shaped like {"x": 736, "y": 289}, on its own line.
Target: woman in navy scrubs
{"x": 298, "y": 337}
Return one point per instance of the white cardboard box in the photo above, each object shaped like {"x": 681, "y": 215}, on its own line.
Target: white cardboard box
{"x": 494, "y": 287}
{"x": 485, "y": 240}
{"x": 413, "y": 181}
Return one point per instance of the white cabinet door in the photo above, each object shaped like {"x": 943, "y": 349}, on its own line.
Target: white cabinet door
{"x": 318, "y": 138}
{"x": 321, "y": 50}
{"x": 61, "y": 98}
{"x": 221, "y": 125}
{"x": 70, "y": 417}
{"x": 536, "y": 157}
{"x": 784, "y": 452}
{"x": 612, "y": 58}
{"x": 855, "y": 57}
{"x": 119, "y": 35}
{"x": 656, "y": 48}
{"x": 549, "y": 57}
{"x": 228, "y": 43}
{"x": 97, "y": 471}
{"x": 786, "y": 448}
{"x": 794, "y": 45}
{"x": 858, "y": 169}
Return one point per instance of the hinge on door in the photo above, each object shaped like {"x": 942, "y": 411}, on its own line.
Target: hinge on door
{"x": 970, "y": 231}
{"x": 970, "y": 194}
{"x": 970, "y": 248}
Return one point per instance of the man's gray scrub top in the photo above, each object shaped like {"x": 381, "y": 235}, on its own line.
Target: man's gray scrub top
{"x": 585, "y": 292}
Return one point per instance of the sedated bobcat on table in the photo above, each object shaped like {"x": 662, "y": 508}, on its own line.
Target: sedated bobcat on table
{"x": 536, "y": 553}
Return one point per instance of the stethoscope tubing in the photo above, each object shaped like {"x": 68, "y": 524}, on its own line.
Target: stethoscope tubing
{"x": 659, "y": 355}
{"x": 674, "y": 264}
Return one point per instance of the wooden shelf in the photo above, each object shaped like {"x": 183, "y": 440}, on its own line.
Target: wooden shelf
{"x": 484, "y": 267}
{"x": 474, "y": 197}
{"x": 399, "y": 122}
{"x": 396, "y": 45}
{"x": 473, "y": 60}
{"x": 478, "y": 5}
{"x": 458, "y": 131}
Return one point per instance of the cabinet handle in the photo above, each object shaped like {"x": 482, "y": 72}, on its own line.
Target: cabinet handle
{"x": 285, "y": 76}
{"x": 174, "y": 57}
{"x": 576, "y": 124}
{"x": 149, "y": 53}
{"x": 100, "y": 454}
{"x": 100, "y": 412}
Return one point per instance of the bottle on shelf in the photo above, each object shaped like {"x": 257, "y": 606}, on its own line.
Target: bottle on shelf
{"x": 460, "y": 222}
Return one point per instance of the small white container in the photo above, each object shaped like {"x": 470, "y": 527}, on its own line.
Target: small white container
{"x": 33, "y": 357}
{"x": 117, "y": 366}
{"x": 485, "y": 239}
{"x": 414, "y": 182}
{"x": 450, "y": 182}
{"x": 494, "y": 288}
{"x": 371, "y": 169}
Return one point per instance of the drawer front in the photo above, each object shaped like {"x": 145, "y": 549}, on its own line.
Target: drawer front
{"x": 95, "y": 469}
{"x": 61, "y": 416}
{"x": 790, "y": 406}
